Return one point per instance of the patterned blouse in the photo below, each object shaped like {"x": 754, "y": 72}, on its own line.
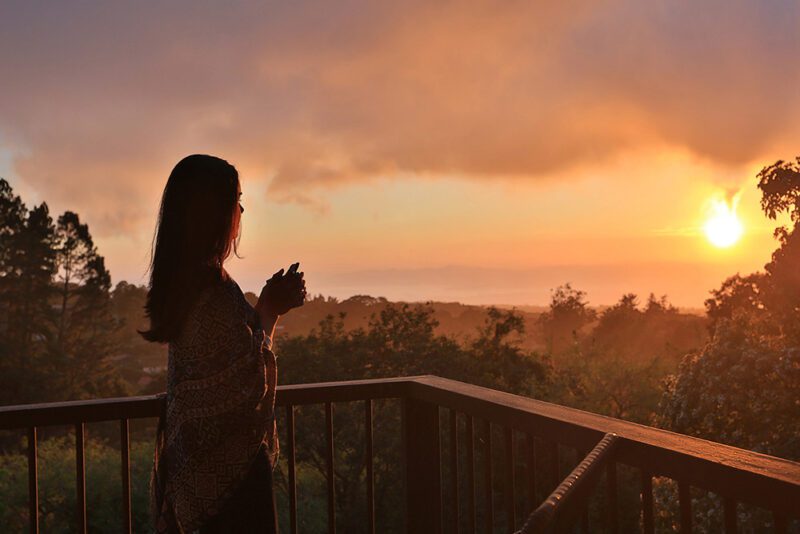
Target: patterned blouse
{"x": 220, "y": 408}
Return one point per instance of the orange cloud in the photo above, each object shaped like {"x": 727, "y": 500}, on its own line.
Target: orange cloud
{"x": 99, "y": 101}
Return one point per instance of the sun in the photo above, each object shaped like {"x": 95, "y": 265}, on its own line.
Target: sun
{"x": 723, "y": 227}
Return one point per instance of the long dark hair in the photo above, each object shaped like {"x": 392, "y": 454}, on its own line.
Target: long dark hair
{"x": 195, "y": 235}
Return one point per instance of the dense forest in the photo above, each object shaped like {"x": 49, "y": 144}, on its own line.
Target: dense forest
{"x": 731, "y": 375}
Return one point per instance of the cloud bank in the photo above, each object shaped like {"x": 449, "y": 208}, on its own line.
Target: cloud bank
{"x": 99, "y": 99}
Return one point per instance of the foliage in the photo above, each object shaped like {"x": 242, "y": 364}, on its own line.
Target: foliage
{"x": 141, "y": 364}
{"x": 495, "y": 359}
{"x": 27, "y": 265}
{"x": 739, "y": 295}
{"x": 56, "y": 325}
{"x": 617, "y": 367}
{"x": 82, "y": 349}
{"x": 741, "y": 389}
{"x": 780, "y": 187}
{"x": 57, "y": 496}
{"x": 780, "y": 192}
{"x": 569, "y": 312}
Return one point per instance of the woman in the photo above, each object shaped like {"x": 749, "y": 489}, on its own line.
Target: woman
{"x": 216, "y": 444}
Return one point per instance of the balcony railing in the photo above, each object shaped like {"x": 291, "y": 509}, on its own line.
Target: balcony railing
{"x": 735, "y": 475}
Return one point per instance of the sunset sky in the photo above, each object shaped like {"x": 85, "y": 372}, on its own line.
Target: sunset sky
{"x": 483, "y": 152}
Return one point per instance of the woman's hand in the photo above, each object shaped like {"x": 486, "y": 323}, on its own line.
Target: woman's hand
{"x": 281, "y": 293}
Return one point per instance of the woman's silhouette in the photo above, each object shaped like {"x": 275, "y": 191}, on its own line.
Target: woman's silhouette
{"x": 216, "y": 444}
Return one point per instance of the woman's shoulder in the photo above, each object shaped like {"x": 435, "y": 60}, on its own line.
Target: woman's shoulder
{"x": 219, "y": 304}
{"x": 224, "y": 294}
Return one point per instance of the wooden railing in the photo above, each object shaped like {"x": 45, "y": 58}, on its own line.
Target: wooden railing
{"x": 735, "y": 475}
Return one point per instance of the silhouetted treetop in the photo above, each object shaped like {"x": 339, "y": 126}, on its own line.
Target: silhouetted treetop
{"x": 780, "y": 188}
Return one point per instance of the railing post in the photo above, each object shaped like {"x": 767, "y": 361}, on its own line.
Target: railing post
{"x": 33, "y": 482}
{"x": 125, "y": 463}
{"x": 454, "y": 469}
{"x": 470, "y": 473}
{"x": 423, "y": 466}
{"x": 80, "y": 471}
{"x": 291, "y": 457}
{"x": 331, "y": 472}
{"x": 648, "y": 518}
{"x": 370, "y": 460}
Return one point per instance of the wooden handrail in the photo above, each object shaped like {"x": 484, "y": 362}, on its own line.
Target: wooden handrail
{"x": 561, "y": 507}
{"x": 81, "y": 411}
{"x": 110, "y": 409}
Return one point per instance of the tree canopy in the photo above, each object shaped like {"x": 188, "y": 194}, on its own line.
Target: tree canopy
{"x": 56, "y": 324}
{"x": 743, "y": 386}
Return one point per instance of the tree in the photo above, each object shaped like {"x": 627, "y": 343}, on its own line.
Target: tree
{"x": 403, "y": 342}
{"x": 618, "y": 324}
{"x": 27, "y": 269}
{"x": 737, "y": 294}
{"x": 780, "y": 188}
{"x": 56, "y": 324}
{"x": 81, "y": 352}
{"x": 659, "y": 305}
{"x": 12, "y": 223}
{"x": 741, "y": 389}
{"x": 76, "y": 251}
{"x": 569, "y": 312}
{"x": 497, "y": 361}
{"x": 32, "y": 265}
{"x": 140, "y": 363}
